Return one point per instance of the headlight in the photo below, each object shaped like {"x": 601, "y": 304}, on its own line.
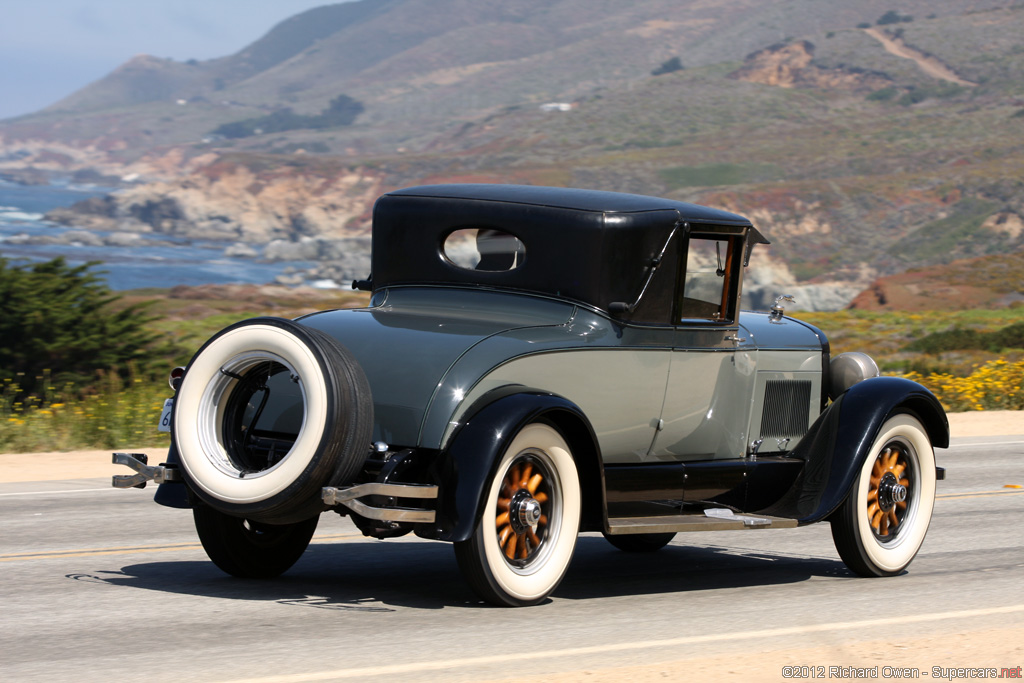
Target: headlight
{"x": 847, "y": 369}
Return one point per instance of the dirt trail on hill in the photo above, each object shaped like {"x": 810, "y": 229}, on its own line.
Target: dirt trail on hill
{"x": 930, "y": 65}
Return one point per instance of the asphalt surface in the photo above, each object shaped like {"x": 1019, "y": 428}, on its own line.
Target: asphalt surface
{"x": 100, "y": 584}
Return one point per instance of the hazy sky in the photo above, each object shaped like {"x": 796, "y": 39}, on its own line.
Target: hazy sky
{"x": 50, "y": 48}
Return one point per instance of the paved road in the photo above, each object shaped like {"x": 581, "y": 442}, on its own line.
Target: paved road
{"x": 100, "y": 584}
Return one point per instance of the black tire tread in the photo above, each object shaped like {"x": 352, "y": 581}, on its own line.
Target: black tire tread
{"x": 848, "y": 543}
{"x": 230, "y": 546}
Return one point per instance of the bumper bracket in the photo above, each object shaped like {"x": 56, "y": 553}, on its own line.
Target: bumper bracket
{"x": 349, "y": 495}
{"x": 158, "y": 474}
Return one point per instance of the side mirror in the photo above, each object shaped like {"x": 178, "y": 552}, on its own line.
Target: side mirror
{"x": 620, "y": 308}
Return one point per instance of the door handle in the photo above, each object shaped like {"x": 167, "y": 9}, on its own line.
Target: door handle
{"x": 734, "y": 338}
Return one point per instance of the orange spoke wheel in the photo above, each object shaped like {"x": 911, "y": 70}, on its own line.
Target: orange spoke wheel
{"x": 525, "y": 536}
{"x": 523, "y": 510}
{"x": 882, "y": 523}
{"x": 888, "y": 488}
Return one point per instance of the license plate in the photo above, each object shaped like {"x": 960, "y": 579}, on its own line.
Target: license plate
{"x": 165, "y": 416}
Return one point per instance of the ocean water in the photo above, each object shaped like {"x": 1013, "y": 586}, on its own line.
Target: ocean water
{"x": 187, "y": 262}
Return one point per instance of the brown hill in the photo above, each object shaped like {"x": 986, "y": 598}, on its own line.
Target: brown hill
{"x": 987, "y": 282}
{"x": 421, "y": 67}
{"x": 855, "y": 160}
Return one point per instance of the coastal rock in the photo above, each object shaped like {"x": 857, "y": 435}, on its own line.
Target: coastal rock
{"x": 771, "y": 278}
{"x": 27, "y": 176}
{"x": 86, "y": 238}
{"x": 249, "y": 201}
{"x": 318, "y": 249}
{"x": 124, "y": 239}
{"x": 241, "y": 250}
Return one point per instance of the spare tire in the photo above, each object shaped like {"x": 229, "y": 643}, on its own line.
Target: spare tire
{"x": 269, "y": 412}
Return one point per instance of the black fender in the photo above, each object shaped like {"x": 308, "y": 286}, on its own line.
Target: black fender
{"x": 467, "y": 466}
{"x": 836, "y": 445}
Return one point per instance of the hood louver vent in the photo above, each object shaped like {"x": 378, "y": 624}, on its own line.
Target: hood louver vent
{"x": 785, "y": 408}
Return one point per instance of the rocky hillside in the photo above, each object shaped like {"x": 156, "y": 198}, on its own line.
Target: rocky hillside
{"x": 241, "y": 198}
{"x": 423, "y": 67}
{"x": 861, "y": 149}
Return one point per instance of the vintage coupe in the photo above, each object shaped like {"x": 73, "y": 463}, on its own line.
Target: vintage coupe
{"x": 536, "y": 362}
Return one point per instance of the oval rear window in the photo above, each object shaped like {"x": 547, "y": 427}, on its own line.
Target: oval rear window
{"x": 484, "y": 249}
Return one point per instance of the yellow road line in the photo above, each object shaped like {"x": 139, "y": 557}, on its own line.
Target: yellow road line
{"x": 134, "y": 550}
{"x": 867, "y": 626}
{"x": 980, "y": 494}
{"x": 96, "y": 552}
{"x": 137, "y": 549}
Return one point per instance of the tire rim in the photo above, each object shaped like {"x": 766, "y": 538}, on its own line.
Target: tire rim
{"x": 893, "y": 492}
{"x": 528, "y": 512}
{"x": 227, "y": 417}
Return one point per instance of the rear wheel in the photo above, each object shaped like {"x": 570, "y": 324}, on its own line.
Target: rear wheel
{"x": 640, "y": 543}
{"x": 251, "y": 549}
{"x": 269, "y": 412}
{"x": 882, "y": 524}
{"x": 524, "y": 541}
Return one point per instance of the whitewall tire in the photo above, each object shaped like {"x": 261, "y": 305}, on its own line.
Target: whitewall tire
{"x": 524, "y": 542}
{"x": 882, "y": 524}
{"x": 269, "y": 412}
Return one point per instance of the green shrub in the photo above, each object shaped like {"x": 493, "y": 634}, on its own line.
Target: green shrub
{"x": 60, "y": 319}
{"x": 893, "y": 17}
{"x": 883, "y": 95}
{"x": 341, "y": 111}
{"x": 669, "y": 66}
{"x": 960, "y": 339}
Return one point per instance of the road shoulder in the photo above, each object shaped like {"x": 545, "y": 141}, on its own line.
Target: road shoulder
{"x": 89, "y": 464}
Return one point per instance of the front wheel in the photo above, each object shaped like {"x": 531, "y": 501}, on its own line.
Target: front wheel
{"x": 249, "y": 549}
{"x": 523, "y": 543}
{"x": 881, "y": 525}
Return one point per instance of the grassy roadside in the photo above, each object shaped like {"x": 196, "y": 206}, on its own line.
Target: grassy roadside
{"x": 115, "y": 411}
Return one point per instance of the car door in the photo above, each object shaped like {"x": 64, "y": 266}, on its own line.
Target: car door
{"x": 712, "y": 368}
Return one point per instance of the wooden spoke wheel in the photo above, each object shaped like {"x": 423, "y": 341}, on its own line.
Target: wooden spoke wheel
{"x": 524, "y": 508}
{"x": 882, "y": 524}
{"x": 887, "y": 491}
{"x": 526, "y": 536}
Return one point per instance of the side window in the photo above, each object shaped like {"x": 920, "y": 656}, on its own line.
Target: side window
{"x": 484, "y": 249}
{"x": 707, "y": 287}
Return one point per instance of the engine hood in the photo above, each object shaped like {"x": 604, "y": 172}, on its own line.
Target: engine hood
{"x": 410, "y": 338}
{"x": 784, "y": 334}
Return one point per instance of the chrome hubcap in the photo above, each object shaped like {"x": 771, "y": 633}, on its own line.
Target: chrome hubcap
{"x": 524, "y": 511}
{"x": 529, "y": 512}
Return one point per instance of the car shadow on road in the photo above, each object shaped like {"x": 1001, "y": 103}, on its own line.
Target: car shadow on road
{"x": 599, "y": 571}
{"x": 376, "y": 576}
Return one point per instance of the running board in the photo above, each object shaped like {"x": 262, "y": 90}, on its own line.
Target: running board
{"x": 712, "y": 519}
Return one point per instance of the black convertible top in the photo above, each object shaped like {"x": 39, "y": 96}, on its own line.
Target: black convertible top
{"x": 584, "y": 245}
{"x": 593, "y": 201}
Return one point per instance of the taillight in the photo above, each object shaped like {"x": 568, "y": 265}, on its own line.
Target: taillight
{"x": 175, "y": 379}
